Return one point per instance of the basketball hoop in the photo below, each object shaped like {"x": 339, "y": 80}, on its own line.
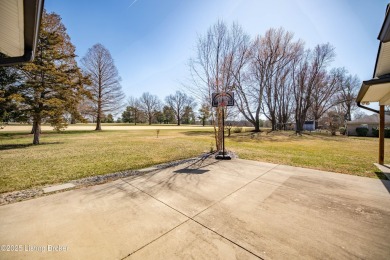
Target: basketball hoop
{"x": 223, "y": 99}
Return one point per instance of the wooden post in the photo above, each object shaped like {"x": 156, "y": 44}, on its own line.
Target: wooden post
{"x": 381, "y": 134}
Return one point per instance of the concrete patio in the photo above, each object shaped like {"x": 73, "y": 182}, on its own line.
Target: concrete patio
{"x": 207, "y": 210}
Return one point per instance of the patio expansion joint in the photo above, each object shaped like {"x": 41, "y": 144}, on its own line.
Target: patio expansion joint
{"x": 194, "y": 220}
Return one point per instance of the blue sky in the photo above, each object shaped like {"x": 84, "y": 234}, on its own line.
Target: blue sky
{"x": 151, "y": 41}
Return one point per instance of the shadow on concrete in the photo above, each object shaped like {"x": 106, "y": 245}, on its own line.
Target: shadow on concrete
{"x": 191, "y": 171}
{"x": 384, "y": 180}
{"x": 196, "y": 167}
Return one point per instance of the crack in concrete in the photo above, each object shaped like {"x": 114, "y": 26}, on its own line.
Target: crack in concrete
{"x": 192, "y": 218}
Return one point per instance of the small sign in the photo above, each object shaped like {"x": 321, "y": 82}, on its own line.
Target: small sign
{"x": 222, "y": 99}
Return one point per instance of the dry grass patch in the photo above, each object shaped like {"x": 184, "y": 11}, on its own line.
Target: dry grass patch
{"x": 73, "y": 155}
{"x": 77, "y": 154}
{"x": 350, "y": 155}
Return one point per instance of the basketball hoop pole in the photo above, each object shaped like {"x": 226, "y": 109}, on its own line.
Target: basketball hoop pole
{"x": 223, "y": 132}
{"x": 222, "y": 100}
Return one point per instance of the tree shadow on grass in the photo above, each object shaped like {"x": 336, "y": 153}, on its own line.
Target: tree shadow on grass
{"x": 284, "y": 137}
{"x": 21, "y": 146}
{"x": 199, "y": 133}
{"x": 13, "y": 134}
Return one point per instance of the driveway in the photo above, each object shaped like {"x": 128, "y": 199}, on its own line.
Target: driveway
{"x": 207, "y": 210}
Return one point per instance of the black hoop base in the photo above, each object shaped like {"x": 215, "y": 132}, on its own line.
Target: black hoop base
{"x": 223, "y": 156}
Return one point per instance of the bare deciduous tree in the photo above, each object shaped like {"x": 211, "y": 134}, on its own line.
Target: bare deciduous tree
{"x": 178, "y": 102}
{"x": 308, "y": 70}
{"x": 149, "y": 104}
{"x": 276, "y": 52}
{"x": 135, "y": 108}
{"x": 274, "y": 75}
{"x": 324, "y": 93}
{"x": 349, "y": 88}
{"x": 212, "y": 68}
{"x": 359, "y": 114}
{"x": 107, "y": 95}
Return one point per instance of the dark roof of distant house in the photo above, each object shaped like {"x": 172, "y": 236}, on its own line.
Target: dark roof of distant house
{"x": 371, "y": 119}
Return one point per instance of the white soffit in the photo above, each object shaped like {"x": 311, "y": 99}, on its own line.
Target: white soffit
{"x": 383, "y": 63}
{"x": 378, "y": 93}
{"x": 11, "y": 28}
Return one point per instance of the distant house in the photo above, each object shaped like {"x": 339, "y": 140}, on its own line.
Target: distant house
{"x": 307, "y": 126}
{"x": 368, "y": 121}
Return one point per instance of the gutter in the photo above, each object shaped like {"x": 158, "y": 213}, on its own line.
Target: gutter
{"x": 366, "y": 85}
{"x": 367, "y": 108}
{"x": 32, "y": 14}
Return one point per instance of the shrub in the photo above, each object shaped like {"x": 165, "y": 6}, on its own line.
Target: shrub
{"x": 342, "y": 130}
{"x": 237, "y": 130}
{"x": 375, "y": 131}
{"x": 362, "y": 131}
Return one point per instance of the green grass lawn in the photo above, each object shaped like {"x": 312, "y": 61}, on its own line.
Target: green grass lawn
{"x": 77, "y": 154}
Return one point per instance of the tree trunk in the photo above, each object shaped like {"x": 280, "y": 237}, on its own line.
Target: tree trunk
{"x": 178, "y": 120}
{"x": 99, "y": 108}
{"x": 220, "y": 128}
{"x": 257, "y": 126}
{"x": 34, "y": 128}
{"x": 37, "y": 131}
{"x": 98, "y": 124}
{"x": 216, "y": 127}
{"x": 273, "y": 123}
{"x": 299, "y": 126}
{"x": 349, "y": 113}
{"x": 98, "y": 117}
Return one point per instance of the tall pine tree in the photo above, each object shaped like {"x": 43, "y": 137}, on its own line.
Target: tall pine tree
{"x": 9, "y": 78}
{"x": 53, "y": 83}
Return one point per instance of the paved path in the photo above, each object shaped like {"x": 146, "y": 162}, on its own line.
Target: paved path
{"x": 209, "y": 210}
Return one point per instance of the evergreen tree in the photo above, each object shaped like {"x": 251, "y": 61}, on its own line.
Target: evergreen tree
{"x": 169, "y": 115}
{"x": 131, "y": 115}
{"x": 53, "y": 83}
{"x": 188, "y": 116}
{"x": 204, "y": 113}
{"x": 9, "y": 105}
